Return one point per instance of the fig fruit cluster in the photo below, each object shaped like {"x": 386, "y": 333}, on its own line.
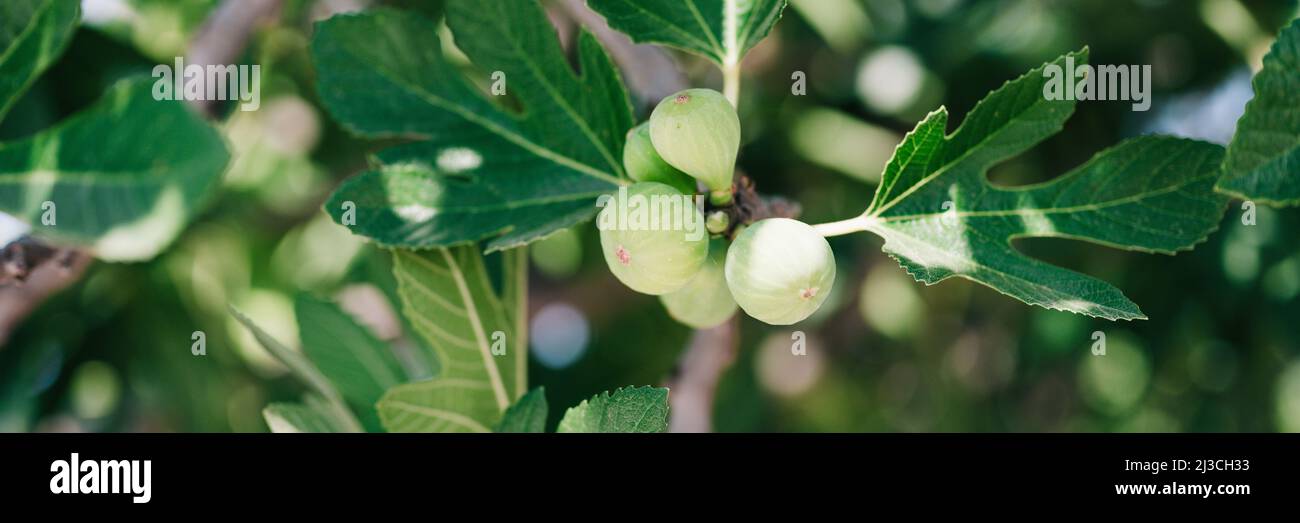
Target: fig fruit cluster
{"x": 656, "y": 239}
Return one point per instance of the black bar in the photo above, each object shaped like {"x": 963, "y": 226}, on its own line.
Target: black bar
{"x": 320, "y": 471}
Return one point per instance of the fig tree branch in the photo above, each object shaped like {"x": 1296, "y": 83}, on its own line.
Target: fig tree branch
{"x": 693, "y": 385}
{"x": 30, "y": 272}
{"x": 225, "y": 34}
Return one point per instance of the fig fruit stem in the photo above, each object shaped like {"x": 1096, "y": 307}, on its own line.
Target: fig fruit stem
{"x": 721, "y": 198}
{"x": 861, "y": 223}
{"x": 731, "y": 83}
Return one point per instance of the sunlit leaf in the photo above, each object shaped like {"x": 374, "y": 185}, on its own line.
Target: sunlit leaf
{"x": 122, "y": 177}
{"x": 940, "y": 217}
{"x": 448, "y": 298}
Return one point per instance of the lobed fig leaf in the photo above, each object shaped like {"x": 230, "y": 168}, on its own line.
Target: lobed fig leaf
{"x": 940, "y": 217}
{"x": 477, "y": 170}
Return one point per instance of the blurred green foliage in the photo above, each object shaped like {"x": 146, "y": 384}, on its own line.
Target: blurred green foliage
{"x": 1221, "y": 351}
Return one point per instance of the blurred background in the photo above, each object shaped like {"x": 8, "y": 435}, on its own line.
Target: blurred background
{"x": 1221, "y": 351}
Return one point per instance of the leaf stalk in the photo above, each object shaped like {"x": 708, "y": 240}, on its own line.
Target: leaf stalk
{"x": 861, "y": 223}
{"x": 731, "y": 83}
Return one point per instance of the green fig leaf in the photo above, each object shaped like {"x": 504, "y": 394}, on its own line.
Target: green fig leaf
{"x": 358, "y": 364}
{"x": 314, "y": 416}
{"x": 940, "y": 217}
{"x": 448, "y": 298}
{"x": 632, "y": 409}
{"x": 720, "y": 30}
{"x": 331, "y": 403}
{"x": 122, "y": 178}
{"x": 1263, "y": 160}
{"x": 528, "y": 415}
{"x": 476, "y": 170}
{"x": 33, "y": 34}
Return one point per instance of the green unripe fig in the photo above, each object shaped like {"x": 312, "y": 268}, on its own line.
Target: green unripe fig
{"x": 705, "y": 301}
{"x": 698, "y": 132}
{"x": 649, "y": 249}
{"x": 643, "y": 163}
{"x": 780, "y": 270}
{"x": 717, "y": 222}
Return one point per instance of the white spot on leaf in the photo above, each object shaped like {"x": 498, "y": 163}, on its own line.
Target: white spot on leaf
{"x": 415, "y": 212}
{"x": 459, "y": 159}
